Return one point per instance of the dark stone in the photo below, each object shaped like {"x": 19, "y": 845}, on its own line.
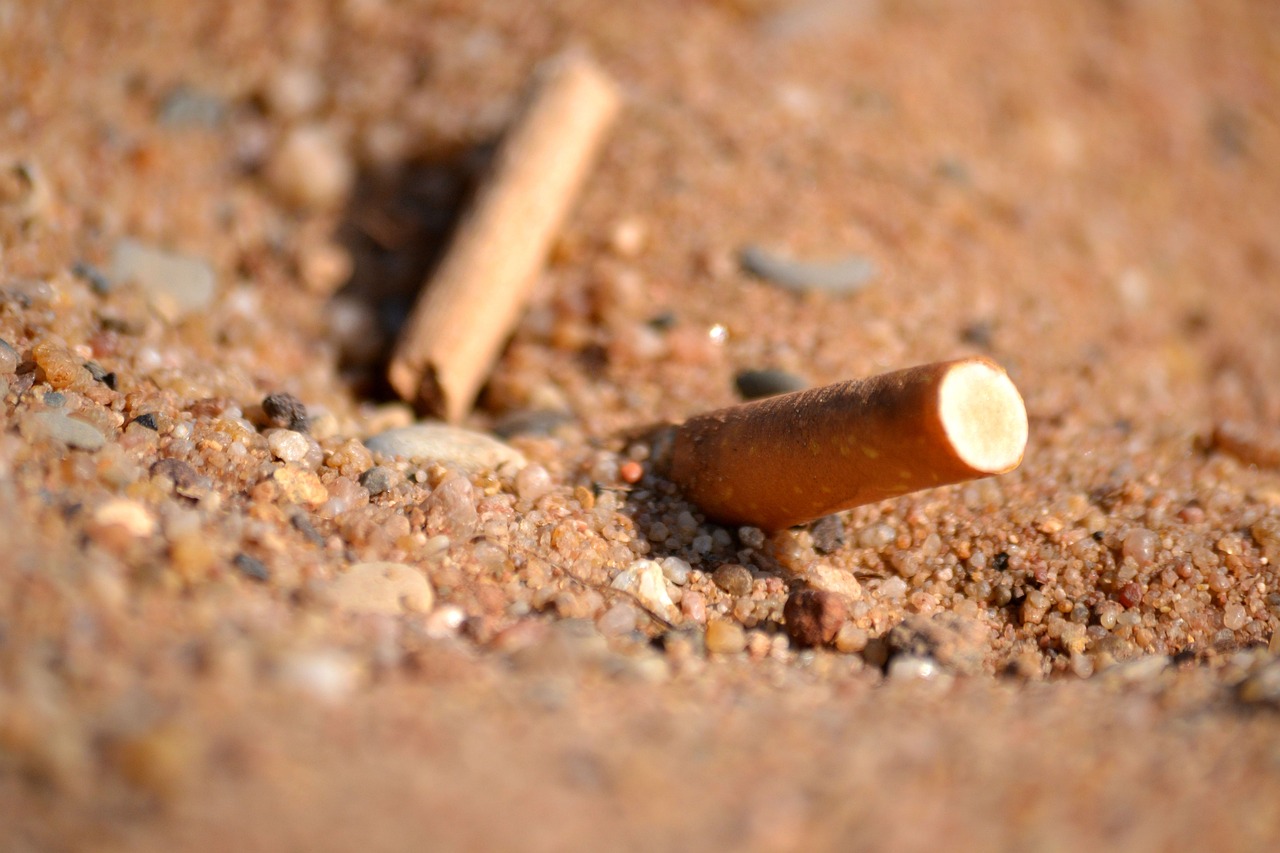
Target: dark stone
{"x": 96, "y": 278}
{"x": 148, "y": 420}
{"x": 186, "y": 480}
{"x": 303, "y": 525}
{"x": 251, "y": 567}
{"x": 377, "y": 479}
{"x": 828, "y": 534}
{"x": 757, "y": 384}
{"x": 814, "y": 617}
{"x": 285, "y": 411}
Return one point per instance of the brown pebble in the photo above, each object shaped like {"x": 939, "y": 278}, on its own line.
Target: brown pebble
{"x": 733, "y": 579}
{"x": 1130, "y": 595}
{"x": 184, "y": 477}
{"x": 814, "y": 617}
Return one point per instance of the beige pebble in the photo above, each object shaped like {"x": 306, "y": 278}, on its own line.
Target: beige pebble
{"x": 725, "y": 638}
{"x": 651, "y": 587}
{"x": 325, "y": 268}
{"x": 382, "y": 587}
{"x": 830, "y": 579}
{"x": 434, "y": 442}
{"x": 299, "y": 486}
{"x": 130, "y": 516}
{"x": 310, "y": 169}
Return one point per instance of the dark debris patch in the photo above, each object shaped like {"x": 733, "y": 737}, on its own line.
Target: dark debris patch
{"x": 285, "y": 411}
{"x": 252, "y": 568}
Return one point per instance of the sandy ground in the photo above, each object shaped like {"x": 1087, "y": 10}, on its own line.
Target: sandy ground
{"x": 1076, "y": 655}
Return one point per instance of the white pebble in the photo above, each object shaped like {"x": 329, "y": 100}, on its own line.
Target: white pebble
{"x": 287, "y": 445}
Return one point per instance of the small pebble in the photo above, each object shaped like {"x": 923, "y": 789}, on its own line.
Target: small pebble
{"x": 651, "y": 586}
{"x": 382, "y": 587}
{"x": 851, "y": 639}
{"x": 287, "y": 445}
{"x": 1140, "y": 545}
{"x": 470, "y": 451}
{"x": 758, "y": 384}
{"x": 675, "y": 570}
{"x": 910, "y": 668}
{"x": 451, "y": 508}
{"x": 630, "y": 472}
{"x": 725, "y": 638}
{"x": 9, "y": 358}
{"x": 185, "y": 479}
{"x": 733, "y": 579}
{"x": 828, "y": 534}
{"x": 532, "y": 482}
{"x": 814, "y": 617}
{"x": 285, "y": 411}
{"x": 175, "y": 284}
{"x": 188, "y": 107}
{"x": 129, "y": 516}
{"x": 148, "y": 420}
{"x": 56, "y": 426}
{"x": 839, "y": 277}
{"x": 693, "y": 607}
{"x": 299, "y": 486}
{"x": 378, "y": 479}
{"x": 618, "y": 620}
{"x": 311, "y": 169}
{"x": 251, "y": 567}
{"x": 833, "y": 580}
{"x": 97, "y": 280}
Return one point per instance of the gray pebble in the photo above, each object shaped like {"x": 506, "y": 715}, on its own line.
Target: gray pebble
{"x": 828, "y": 534}
{"x": 56, "y": 426}
{"x": 839, "y": 277}
{"x": 757, "y": 384}
{"x": 176, "y": 285}
{"x": 432, "y": 442}
{"x": 285, "y": 411}
{"x": 100, "y": 284}
{"x": 188, "y": 107}
{"x": 251, "y": 567}
{"x": 377, "y": 479}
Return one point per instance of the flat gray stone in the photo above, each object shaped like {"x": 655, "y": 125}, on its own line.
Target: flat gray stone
{"x": 56, "y": 426}
{"x": 177, "y": 285}
{"x": 434, "y": 442}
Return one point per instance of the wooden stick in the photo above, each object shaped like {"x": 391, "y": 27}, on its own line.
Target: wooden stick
{"x": 461, "y": 321}
{"x": 786, "y": 460}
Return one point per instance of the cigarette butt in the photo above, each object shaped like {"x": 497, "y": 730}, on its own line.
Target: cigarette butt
{"x": 786, "y": 460}
{"x": 474, "y": 299}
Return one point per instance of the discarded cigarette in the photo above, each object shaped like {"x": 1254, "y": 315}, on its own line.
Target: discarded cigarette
{"x": 461, "y": 321}
{"x": 786, "y": 460}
